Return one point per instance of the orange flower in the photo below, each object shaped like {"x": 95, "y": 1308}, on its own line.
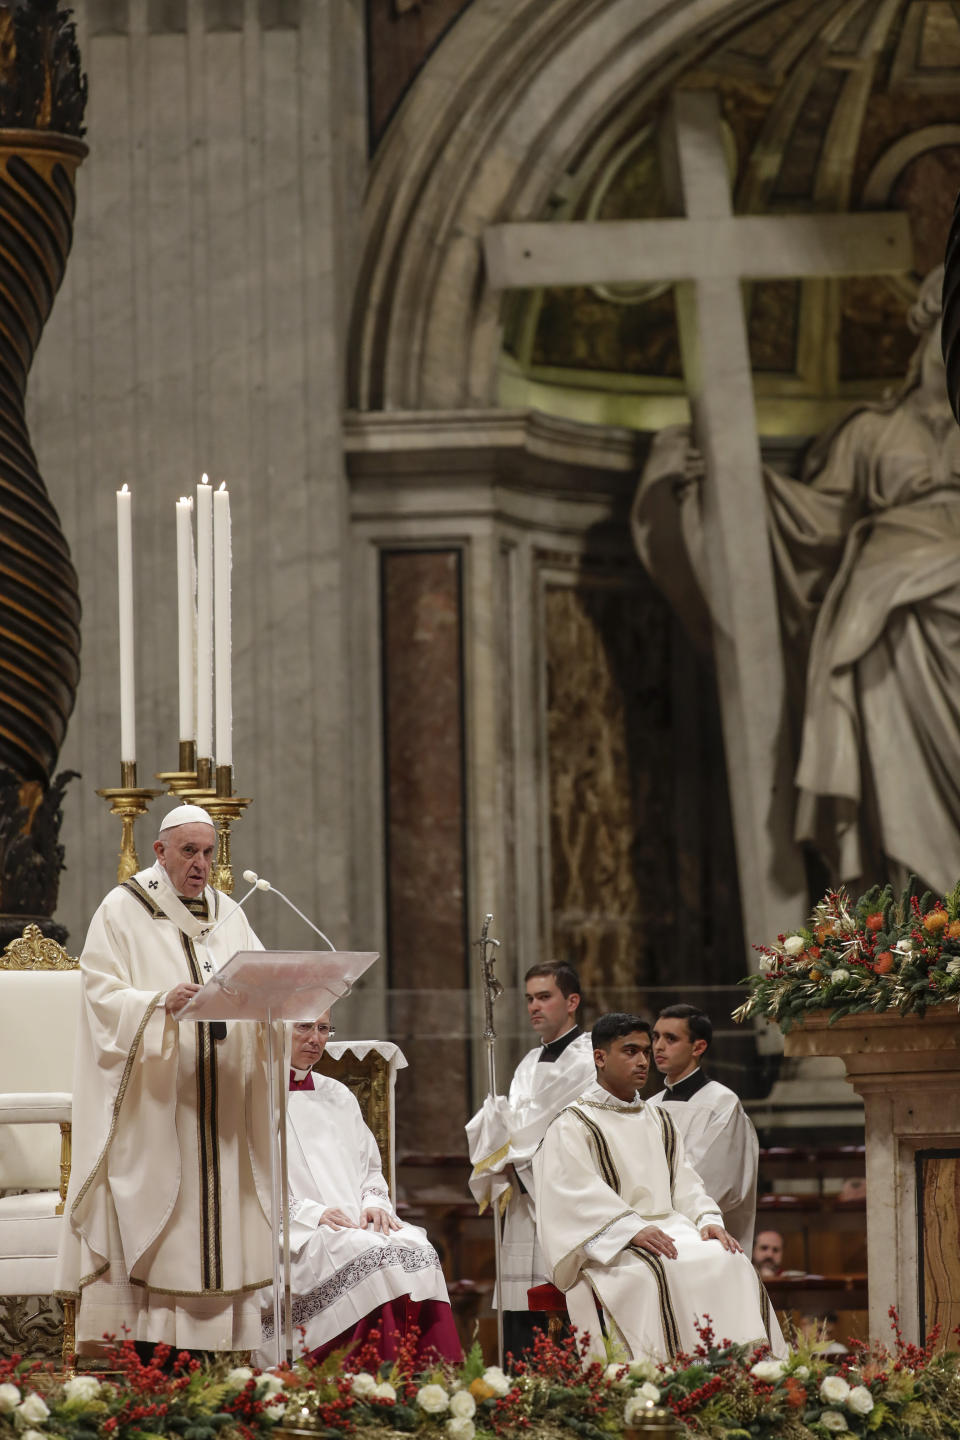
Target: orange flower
{"x": 875, "y": 921}
{"x": 953, "y": 930}
{"x": 815, "y": 974}
{"x": 883, "y": 962}
{"x": 814, "y": 952}
{"x": 480, "y": 1390}
{"x": 825, "y": 931}
{"x": 796, "y": 1392}
{"x": 935, "y": 920}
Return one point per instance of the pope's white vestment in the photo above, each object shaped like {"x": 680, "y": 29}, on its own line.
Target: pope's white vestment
{"x": 338, "y": 1277}
{"x": 167, "y": 1234}
{"x": 606, "y": 1169}
{"x": 721, "y": 1144}
{"x": 507, "y": 1131}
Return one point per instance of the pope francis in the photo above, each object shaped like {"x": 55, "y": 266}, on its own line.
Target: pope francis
{"x": 168, "y": 1234}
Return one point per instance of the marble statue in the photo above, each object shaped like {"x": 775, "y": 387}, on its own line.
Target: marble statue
{"x": 866, "y": 551}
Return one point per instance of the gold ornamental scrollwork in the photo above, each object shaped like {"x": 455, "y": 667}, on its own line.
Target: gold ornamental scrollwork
{"x": 35, "y": 951}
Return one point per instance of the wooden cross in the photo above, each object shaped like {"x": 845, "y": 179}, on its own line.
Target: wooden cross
{"x": 707, "y": 253}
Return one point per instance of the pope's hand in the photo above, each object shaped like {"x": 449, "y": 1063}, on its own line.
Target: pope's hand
{"x": 717, "y": 1232}
{"x": 178, "y": 997}
{"x": 657, "y": 1241}
{"x": 337, "y": 1220}
{"x": 381, "y": 1221}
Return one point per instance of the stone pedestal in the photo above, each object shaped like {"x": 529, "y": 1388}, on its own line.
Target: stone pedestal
{"x": 907, "y": 1069}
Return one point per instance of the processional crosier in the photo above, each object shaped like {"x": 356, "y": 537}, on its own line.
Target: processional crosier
{"x": 492, "y": 990}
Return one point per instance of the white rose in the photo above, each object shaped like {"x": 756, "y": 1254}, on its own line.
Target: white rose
{"x": 363, "y": 1383}
{"x": 236, "y": 1379}
{"x": 33, "y": 1409}
{"x": 766, "y": 963}
{"x": 832, "y": 1420}
{"x": 642, "y": 1370}
{"x": 9, "y": 1398}
{"x": 82, "y": 1387}
{"x": 794, "y": 944}
{"x": 801, "y": 1372}
{"x": 617, "y": 1374}
{"x": 636, "y": 1408}
{"x": 649, "y": 1392}
{"x": 860, "y": 1401}
{"x": 834, "y": 1389}
{"x": 277, "y": 1410}
{"x": 903, "y": 947}
{"x": 495, "y": 1378}
{"x": 433, "y": 1398}
{"x": 768, "y": 1369}
{"x": 463, "y": 1405}
{"x": 384, "y": 1391}
{"x": 840, "y": 977}
{"x": 953, "y": 966}
{"x": 268, "y": 1385}
{"x": 461, "y": 1427}
{"x": 34, "y": 1435}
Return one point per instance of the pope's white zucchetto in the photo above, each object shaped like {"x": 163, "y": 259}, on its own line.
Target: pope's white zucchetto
{"x": 186, "y": 815}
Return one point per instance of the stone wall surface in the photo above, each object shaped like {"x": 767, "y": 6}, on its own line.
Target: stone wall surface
{"x": 199, "y": 330}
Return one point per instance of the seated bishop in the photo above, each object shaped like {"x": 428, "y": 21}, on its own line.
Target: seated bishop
{"x": 625, "y": 1222}
{"x": 355, "y": 1268}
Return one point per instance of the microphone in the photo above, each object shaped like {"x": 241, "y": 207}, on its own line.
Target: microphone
{"x": 257, "y": 882}
{"x": 252, "y": 878}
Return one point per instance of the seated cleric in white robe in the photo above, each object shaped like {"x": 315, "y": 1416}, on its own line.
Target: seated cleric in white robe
{"x": 622, "y": 1217}
{"x": 355, "y": 1267}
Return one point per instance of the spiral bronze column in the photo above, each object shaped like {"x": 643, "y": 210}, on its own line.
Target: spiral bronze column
{"x": 39, "y": 600}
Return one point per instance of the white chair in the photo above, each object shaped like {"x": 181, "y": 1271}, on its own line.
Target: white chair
{"x": 39, "y": 1001}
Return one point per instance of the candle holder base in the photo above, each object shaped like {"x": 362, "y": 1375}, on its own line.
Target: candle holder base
{"x": 178, "y": 782}
{"x": 129, "y": 802}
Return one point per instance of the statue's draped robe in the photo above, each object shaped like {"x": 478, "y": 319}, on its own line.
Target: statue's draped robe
{"x": 167, "y": 1232}
{"x": 721, "y": 1144}
{"x": 867, "y": 556}
{"x": 507, "y": 1131}
{"x": 338, "y": 1277}
{"x": 605, "y": 1170}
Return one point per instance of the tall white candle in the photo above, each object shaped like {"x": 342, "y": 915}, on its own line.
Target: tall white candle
{"x": 204, "y": 620}
{"x": 186, "y": 615}
{"x": 222, "y": 625}
{"x": 128, "y": 727}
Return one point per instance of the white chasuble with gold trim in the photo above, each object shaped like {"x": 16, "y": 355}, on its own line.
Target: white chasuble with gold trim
{"x": 167, "y": 1230}
{"x": 604, "y": 1171}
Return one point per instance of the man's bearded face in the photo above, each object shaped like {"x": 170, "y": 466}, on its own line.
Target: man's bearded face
{"x": 186, "y": 853}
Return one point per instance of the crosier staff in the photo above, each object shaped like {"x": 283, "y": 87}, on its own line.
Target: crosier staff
{"x": 492, "y": 990}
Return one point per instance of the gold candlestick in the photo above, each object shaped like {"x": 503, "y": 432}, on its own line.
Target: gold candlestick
{"x": 185, "y": 777}
{"x": 224, "y": 808}
{"x": 129, "y": 802}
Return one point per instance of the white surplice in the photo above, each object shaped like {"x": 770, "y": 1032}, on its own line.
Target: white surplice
{"x": 721, "y": 1144}
{"x": 605, "y": 1170}
{"x": 507, "y": 1131}
{"x": 337, "y": 1277}
{"x": 167, "y": 1227}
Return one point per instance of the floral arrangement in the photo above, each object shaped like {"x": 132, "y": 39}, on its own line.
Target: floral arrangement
{"x": 722, "y": 1391}
{"x": 881, "y": 952}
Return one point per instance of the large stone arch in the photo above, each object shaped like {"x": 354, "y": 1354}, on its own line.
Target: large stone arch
{"x": 543, "y": 81}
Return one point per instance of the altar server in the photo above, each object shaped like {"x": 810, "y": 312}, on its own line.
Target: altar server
{"x": 626, "y": 1224}
{"x": 355, "y": 1267}
{"x": 718, "y": 1136}
{"x": 166, "y": 1234}
{"x": 503, "y": 1135}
